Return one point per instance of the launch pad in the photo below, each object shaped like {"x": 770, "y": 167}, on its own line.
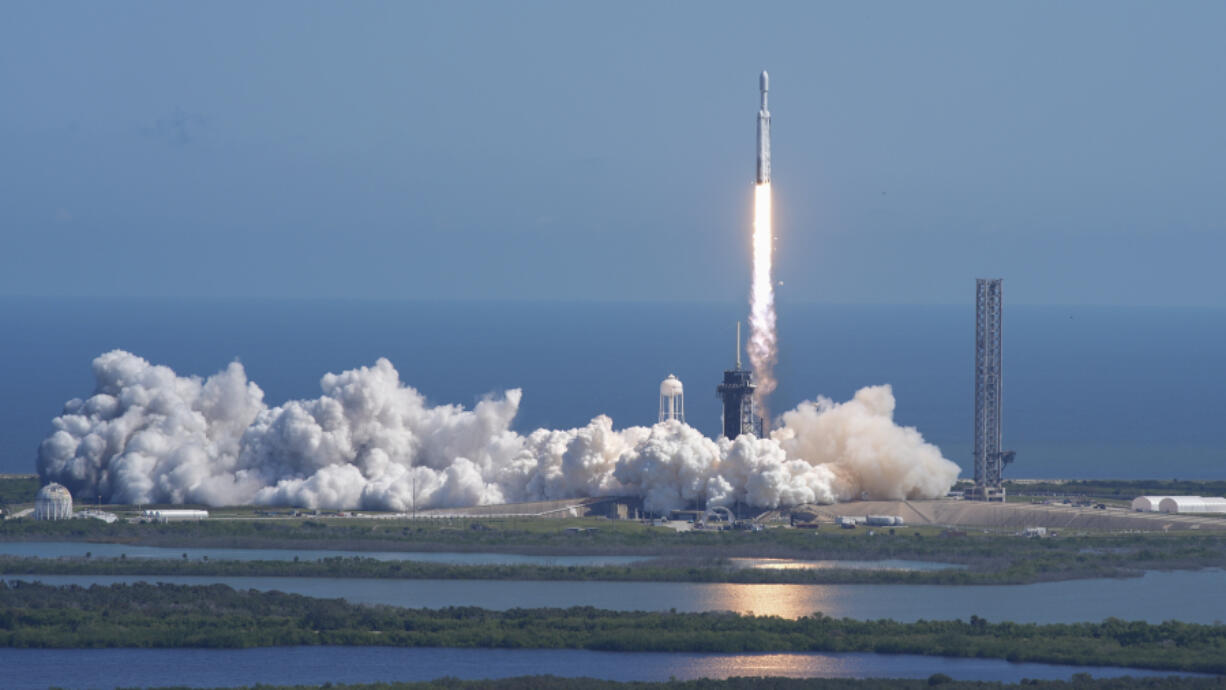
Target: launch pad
{"x": 996, "y": 517}
{"x": 741, "y": 415}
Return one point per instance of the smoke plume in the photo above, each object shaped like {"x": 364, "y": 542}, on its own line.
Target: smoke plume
{"x": 148, "y": 435}
{"x": 763, "y": 352}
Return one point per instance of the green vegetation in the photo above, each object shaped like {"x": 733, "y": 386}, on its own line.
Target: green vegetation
{"x": 1078, "y": 682}
{"x": 476, "y": 534}
{"x": 709, "y": 571}
{"x": 144, "y": 615}
{"x": 678, "y": 570}
{"x": 692, "y": 557}
{"x": 1118, "y": 489}
{"x": 549, "y": 536}
{"x": 17, "y": 488}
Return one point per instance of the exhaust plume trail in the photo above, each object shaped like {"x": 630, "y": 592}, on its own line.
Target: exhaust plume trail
{"x": 762, "y": 338}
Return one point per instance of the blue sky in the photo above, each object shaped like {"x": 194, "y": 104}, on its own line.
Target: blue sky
{"x": 604, "y": 151}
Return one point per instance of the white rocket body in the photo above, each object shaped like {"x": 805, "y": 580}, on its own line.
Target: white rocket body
{"x": 764, "y": 134}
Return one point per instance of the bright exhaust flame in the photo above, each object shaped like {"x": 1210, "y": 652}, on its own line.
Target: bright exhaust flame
{"x": 762, "y": 338}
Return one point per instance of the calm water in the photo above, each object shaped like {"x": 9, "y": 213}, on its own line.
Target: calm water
{"x": 1089, "y": 392}
{"x": 36, "y": 669}
{"x": 55, "y": 549}
{"x": 1190, "y": 596}
{"x": 794, "y": 564}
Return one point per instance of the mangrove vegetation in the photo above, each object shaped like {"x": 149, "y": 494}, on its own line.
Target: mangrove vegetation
{"x": 216, "y": 616}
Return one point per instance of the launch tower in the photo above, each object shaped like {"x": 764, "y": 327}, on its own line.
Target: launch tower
{"x": 740, "y": 414}
{"x": 989, "y": 459}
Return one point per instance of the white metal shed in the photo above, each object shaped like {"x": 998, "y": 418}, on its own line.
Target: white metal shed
{"x": 1192, "y": 504}
{"x": 1147, "y": 504}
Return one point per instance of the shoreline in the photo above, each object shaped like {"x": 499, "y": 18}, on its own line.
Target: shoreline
{"x": 647, "y": 571}
{"x": 218, "y": 616}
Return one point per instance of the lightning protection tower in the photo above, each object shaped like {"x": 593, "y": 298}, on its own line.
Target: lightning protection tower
{"x": 736, "y": 391}
{"x": 672, "y": 400}
{"x": 989, "y": 459}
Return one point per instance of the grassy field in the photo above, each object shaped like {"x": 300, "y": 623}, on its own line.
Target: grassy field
{"x": 687, "y": 556}
{"x": 17, "y": 489}
{"x": 997, "y": 558}
{"x": 671, "y": 570}
{"x": 1117, "y": 489}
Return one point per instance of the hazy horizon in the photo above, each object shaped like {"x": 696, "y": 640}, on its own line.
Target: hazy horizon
{"x": 1101, "y": 391}
{"x": 612, "y": 300}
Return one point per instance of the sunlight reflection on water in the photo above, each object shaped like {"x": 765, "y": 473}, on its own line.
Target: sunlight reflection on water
{"x": 789, "y": 665}
{"x": 785, "y": 601}
{"x": 793, "y": 564}
{"x": 35, "y": 669}
{"x": 1188, "y": 596}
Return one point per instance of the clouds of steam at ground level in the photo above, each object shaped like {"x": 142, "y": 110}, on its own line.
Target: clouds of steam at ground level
{"x": 148, "y": 435}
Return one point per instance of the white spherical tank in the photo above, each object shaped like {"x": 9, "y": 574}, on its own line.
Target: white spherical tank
{"x": 671, "y": 386}
{"x": 53, "y": 502}
{"x": 672, "y": 399}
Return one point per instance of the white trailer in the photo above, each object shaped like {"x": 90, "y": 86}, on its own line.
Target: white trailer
{"x": 175, "y": 515}
{"x": 884, "y": 520}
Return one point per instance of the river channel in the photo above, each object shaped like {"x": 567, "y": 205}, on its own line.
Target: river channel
{"x": 62, "y": 549}
{"x": 79, "y": 669}
{"x": 1189, "y": 596}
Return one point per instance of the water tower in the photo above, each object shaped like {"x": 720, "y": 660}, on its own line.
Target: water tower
{"x": 672, "y": 400}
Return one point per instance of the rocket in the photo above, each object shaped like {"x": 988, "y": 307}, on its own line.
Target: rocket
{"x": 764, "y": 133}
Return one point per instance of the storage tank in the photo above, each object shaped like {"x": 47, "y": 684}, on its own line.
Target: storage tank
{"x": 672, "y": 399}
{"x": 884, "y": 520}
{"x": 176, "y": 515}
{"x": 53, "y": 502}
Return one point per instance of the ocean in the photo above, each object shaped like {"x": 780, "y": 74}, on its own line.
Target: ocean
{"x": 1088, "y": 391}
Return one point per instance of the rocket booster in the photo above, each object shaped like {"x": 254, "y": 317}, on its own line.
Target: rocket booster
{"x": 764, "y": 134}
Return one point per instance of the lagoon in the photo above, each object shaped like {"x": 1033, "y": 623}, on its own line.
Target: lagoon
{"x": 69, "y": 549}
{"x": 1188, "y": 596}
{"x": 883, "y": 564}
{"x": 73, "y": 669}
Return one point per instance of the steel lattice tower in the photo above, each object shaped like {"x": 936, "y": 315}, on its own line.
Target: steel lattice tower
{"x": 988, "y": 456}
{"x": 740, "y": 413}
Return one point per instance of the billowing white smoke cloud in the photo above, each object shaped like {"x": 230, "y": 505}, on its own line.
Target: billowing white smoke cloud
{"x": 150, "y": 436}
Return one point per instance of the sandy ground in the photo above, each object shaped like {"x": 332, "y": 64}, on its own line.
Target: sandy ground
{"x": 950, "y": 513}
{"x": 1018, "y": 516}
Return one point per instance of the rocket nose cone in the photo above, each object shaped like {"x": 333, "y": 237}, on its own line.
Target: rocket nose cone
{"x": 765, "y": 81}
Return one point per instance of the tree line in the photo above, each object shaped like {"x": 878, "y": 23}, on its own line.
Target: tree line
{"x": 988, "y": 561}
{"x": 163, "y": 616}
{"x": 1078, "y": 682}
{"x": 991, "y": 559}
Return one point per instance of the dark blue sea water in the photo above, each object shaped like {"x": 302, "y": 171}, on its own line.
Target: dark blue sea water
{"x": 1089, "y": 391}
{"x": 35, "y": 669}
